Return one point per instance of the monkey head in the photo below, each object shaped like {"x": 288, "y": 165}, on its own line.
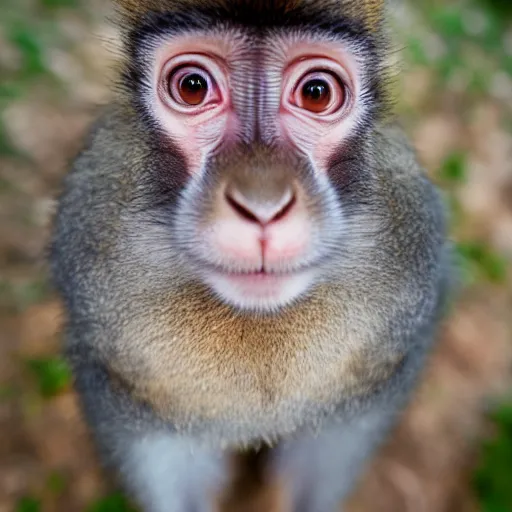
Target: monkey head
{"x": 245, "y": 244}
{"x": 259, "y": 112}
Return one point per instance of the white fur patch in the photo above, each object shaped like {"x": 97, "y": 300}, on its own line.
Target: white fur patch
{"x": 170, "y": 474}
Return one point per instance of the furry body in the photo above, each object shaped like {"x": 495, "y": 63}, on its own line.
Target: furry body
{"x": 172, "y": 378}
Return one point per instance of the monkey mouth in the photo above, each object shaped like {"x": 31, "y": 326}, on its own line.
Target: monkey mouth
{"x": 261, "y": 276}
{"x": 259, "y": 289}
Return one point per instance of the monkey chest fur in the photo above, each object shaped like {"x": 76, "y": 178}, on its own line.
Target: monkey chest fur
{"x": 240, "y": 378}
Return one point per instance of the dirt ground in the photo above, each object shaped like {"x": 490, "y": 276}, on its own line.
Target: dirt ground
{"x": 426, "y": 465}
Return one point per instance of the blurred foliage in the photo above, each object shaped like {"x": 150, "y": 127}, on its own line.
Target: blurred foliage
{"x": 464, "y": 42}
{"x": 115, "y": 502}
{"x": 18, "y": 296}
{"x": 475, "y": 40}
{"x": 500, "y": 7}
{"x": 29, "y": 29}
{"x": 453, "y": 170}
{"x": 28, "y": 504}
{"x": 492, "y": 478}
{"x": 56, "y": 483}
{"x": 52, "y": 374}
{"x": 479, "y": 262}
{"x": 7, "y": 392}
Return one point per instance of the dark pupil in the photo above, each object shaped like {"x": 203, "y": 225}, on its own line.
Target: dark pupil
{"x": 193, "y": 83}
{"x": 315, "y": 90}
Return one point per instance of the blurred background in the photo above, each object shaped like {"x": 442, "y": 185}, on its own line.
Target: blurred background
{"x": 453, "y": 450}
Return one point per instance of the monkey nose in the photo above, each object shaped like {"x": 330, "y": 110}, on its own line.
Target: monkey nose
{"x": 260, "y": 211}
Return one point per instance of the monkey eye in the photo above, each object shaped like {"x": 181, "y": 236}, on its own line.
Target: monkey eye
{"x": 319, "y": 92}
{"x": 192, "y": 87}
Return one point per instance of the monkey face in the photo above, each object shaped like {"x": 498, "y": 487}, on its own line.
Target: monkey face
{"x": 270, "y": 124}
{"x": 258, "y": 225}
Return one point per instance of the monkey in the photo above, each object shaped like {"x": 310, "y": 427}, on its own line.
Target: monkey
{"x": 250, "y": 257}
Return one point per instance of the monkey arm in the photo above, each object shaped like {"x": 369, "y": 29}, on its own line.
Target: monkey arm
{"x": 320, "y": 471}
{"x": 162, "y": 469}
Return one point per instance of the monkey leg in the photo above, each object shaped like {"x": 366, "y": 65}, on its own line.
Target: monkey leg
{"x": 162, "y": 470}
{"x": 319, "y": 471}
{"x": 168, "y": 473}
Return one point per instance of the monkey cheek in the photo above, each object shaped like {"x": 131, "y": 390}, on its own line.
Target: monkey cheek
{"x": 288, "y": 241}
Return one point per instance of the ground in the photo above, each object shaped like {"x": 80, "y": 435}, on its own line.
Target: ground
{"x": 455, "y": 103}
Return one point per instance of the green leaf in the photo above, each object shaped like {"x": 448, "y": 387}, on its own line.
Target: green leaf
{"x": 28, "y": 504}
{"x": 53, "y": 375}
{"x": 9, "y": 91}
{"x": 502, "y": 8}
{"x": 59, "y": 3}
{"x": 480, "y": 82}
{"x": 27, "y": 41}
{"x": 503, "y": 416}
{"x": 453, "y": 169}
{"x": 488, "y": 264}
{"x": 115, "y": 502}
{"x": 56, "y": 483}
{"x": 7, "y": 392}
{"x": 416, "y": 50}
{"x": 7, "y": 147}
{"x": 491, "y": 478}
{"x": 448, "y": 22}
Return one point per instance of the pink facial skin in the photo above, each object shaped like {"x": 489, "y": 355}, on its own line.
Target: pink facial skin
{"x": 258, "y": 247}
{"x": 273, "y": 239}
{"x": 318, "y": 133}
{"x": 198, "y": 130}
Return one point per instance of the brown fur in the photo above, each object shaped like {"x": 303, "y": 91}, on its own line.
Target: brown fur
{"x": 252, "y": 368}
